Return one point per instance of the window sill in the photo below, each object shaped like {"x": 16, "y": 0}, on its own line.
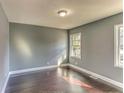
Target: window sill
{"x": 73, "y": 57}
{"x": 118, "y": 66}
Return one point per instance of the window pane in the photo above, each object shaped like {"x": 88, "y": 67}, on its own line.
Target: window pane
{"x": 75, "y": 47}
{"x": 121, "y": 44}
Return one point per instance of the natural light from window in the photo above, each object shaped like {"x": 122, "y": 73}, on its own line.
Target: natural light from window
{"x": 75, "y": 45}
{"x": 119, "y": 45}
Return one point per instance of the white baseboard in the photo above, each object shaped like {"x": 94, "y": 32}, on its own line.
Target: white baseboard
{"x": 118, "y": 84}
{"x": 5, "y": 84}
{"x": 31, "y": 69}
{"x": 64, "y": 65}
{"x": 23, "y": 71}
{"x": 104, "y": 78}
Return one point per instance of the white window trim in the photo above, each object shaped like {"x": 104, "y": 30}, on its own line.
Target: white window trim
{"x": 116, "y": 47}
{"x": 71, "y": 46}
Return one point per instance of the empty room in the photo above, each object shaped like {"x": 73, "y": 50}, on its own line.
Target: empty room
{"x": 61, "y": 46}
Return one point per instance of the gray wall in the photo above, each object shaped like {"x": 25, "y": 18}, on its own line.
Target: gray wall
{"x": 98, "y": 47}
{"x": 4, "y": 47}
{"x": 35, "y": 46}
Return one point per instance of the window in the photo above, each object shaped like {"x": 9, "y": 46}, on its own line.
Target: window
{"x": 75, "y": 45}
{"x": 118, "y": 45}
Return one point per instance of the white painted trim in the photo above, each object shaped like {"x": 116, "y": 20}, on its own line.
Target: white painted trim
{"x": 64, "y": 65}
{"x": 70, "y": 53}
{"x": 5, "y": 84}
{"x": 116, "y": 46}
{"x": 23, "y": 71}
{"x": 104, "y": 78}
{"x": 118, "y": 84}
{"x": 31, "y": 69}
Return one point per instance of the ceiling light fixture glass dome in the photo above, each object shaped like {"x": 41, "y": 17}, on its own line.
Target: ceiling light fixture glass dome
{"x": 62, "y": 13}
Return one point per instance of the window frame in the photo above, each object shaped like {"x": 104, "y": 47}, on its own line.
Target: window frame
{"x": 116, "y": 46}
{"x": 71, "y": 45}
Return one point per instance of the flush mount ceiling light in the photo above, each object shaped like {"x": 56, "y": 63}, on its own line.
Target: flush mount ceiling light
{"x": 62, "y": 13}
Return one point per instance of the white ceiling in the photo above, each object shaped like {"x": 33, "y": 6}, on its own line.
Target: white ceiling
{"x": 44, "y": 12}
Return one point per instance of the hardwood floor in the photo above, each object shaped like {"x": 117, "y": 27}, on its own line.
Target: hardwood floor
{"x": 61, "y": 80}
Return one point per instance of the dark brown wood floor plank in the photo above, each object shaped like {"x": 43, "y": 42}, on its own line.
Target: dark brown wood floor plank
{"x": 62, "y": 80}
